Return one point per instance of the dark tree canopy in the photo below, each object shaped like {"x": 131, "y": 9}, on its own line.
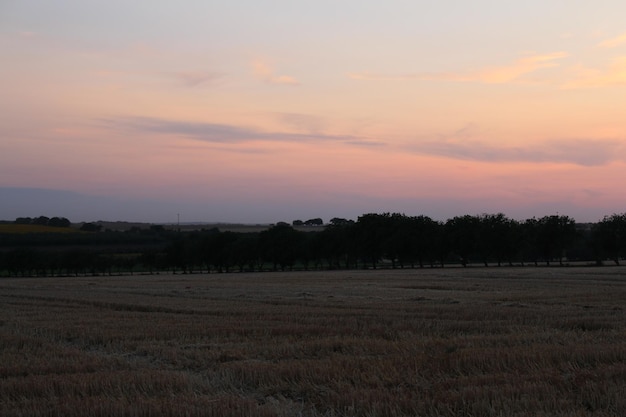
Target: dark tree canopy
{"x": 374, "y": 240}
{"x": 44, "y": 221}
{"x": 609, "y": 237}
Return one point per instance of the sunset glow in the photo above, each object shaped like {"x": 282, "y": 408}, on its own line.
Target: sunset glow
{"x": 265, "y": 111}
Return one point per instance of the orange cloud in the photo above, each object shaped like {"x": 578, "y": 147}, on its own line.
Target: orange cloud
{"x": 265, "y": 73}
{"x": 520, "y": 67}
{"x": 488, "y": 75}
{"x": 615, "y": 74}
{"x": 613, "y": 42}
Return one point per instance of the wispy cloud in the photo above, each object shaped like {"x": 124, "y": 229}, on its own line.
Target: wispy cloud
{"x": 194, "y": 78}
{"x": 185, "y": 78}
{"x": 585, "y": 152}
{"x": 512, "y": 72}
{"x": 584, "y": 77}
{"x": 487, "y": 75}
{"x": 372, "y": 76}
{"x": 264, "y": 72}
{"x": 302, "y": 122}
{"x": 225, "y": 134}
{"x": 613, "y": 42}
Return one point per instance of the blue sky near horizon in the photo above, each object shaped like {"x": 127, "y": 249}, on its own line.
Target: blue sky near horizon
{"x": 265, "y": 111}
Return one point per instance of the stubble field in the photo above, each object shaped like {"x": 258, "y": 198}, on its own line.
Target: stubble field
{"x": 442, "y": 342}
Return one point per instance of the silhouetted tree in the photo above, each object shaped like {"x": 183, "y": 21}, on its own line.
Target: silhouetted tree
{"x": 149, "y": 260}
{"x": 59, "y": 222}
{"x": 176, "y": 256}
{"x": 77, "y": 261}
{"x": 398, "y": 242}
{"x": 281, "y": 245}
{"x": 245, "y": 251}
{"x": 372, "y": 231}
{"x": 463, "y": 233}
{"x": 427, "y": 240}
{"x": 225, "y": 250}
{"x": 314, "y": 222}
{"x": 41, "y": 220}
{"x": 610, "y": 236}
{"x": 22, "y": 261}
{"x": 529, "y": 231}
{"x": 211, "y": 249}
{"x": 374, "y": 238}
{"x": 498, "y": 238}
{"x": 306, "y": 250}
{"x": 338, "y": 221}
{"x": 332, "y": 244}
{"x": 554, "y": 234}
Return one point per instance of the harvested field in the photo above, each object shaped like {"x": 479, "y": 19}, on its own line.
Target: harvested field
{"x": 441, "y": 342}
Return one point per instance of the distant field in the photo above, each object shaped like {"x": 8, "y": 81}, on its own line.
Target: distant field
{"x": 34, "y": 228}
{"x": 444, "y": 342}
{"x": 224, "y": 227}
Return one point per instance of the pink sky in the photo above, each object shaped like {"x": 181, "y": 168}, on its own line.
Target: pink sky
{"x": 253, "y": 113}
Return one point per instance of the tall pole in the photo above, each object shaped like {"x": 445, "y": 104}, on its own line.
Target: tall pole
{"x": 178, "y": 221}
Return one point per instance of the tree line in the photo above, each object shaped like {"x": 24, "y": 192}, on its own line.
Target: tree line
{"x": 389, "y": 240}
{"x": 44, "y": 221}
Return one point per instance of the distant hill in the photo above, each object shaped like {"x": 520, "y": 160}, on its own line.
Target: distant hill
{"x": 34, "y": 228}
{"x": 187, "y": 226}
{"x": 122, "y": 226}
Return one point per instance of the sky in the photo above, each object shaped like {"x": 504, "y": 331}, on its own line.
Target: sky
{"x": 276, "y": 110}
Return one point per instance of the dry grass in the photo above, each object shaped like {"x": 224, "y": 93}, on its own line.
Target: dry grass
{"x": 479, "y": 342}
